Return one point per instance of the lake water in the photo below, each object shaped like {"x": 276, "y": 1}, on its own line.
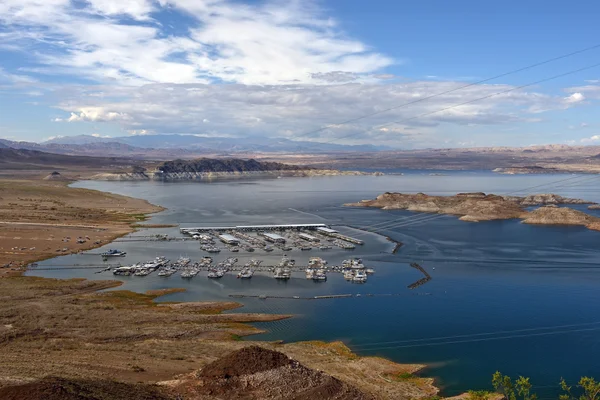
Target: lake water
{"x": 505, "y": 296}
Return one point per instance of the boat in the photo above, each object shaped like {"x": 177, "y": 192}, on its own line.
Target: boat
{"x": 268, "y": 248}
{"x": 282, "y": 273}
{"x": 183, "y": 261}
{"x": 354, "y": 263}
{"x": 360, "y": 277}
{"x": 113, "y": 253}
{"x": 304, "y": 248}
{"x": 325, "y": 248}
{"x": 310, "y": 273}
{"x": 316, "y": 262}
{"x": 125, "y": 271}
{"x": 245, "y": 273}
{"x": 216, "y": 273}
{"x": 142, "y": 272}
{"x": 348, "y": 274}
{"x": 370, "y": 271}
{"x": 189, "y": 273}
{"x": 319, "y": 276}
{"x": 167, "y": 272}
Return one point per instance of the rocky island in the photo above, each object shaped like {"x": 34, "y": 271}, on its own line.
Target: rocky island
{"x": 475, "y": 207}
{"x": 207, "y": 168}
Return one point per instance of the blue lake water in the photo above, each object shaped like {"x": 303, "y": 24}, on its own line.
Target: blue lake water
{"x": 505, "y": 296}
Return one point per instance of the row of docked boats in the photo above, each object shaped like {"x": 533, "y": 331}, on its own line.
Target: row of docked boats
{"x": 284, "y": 270}
{"x": 316, "y": 270}
{"x": 248, "y": 271}
{"x": 141, "y": 269}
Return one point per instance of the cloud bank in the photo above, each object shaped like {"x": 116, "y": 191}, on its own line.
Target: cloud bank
{"x": 221, "y": 67}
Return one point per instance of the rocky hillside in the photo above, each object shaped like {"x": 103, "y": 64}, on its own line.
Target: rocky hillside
{"x": 205, "y": 165}
{"x": 475, "y": 207}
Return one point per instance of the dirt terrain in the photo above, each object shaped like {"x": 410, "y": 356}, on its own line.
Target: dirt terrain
{"x": 475, "y": 207}
{"x": 40, "y": 219}
{"x": 67, "y": 328}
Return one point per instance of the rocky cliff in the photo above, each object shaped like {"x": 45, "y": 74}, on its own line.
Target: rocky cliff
{"x": 206, "y": 169}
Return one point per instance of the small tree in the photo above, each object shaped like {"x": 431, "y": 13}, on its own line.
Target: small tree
{"x": 591, "y": 389}
{"x": 504, "y": 385}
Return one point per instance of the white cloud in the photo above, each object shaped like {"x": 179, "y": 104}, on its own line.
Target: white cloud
{"x": 293, "y": 111}
{"x": 574, "y": 98}
{"x": 266, "y": 43}
{"x": 96, "y": 114}
{"x": 594, "y": 138}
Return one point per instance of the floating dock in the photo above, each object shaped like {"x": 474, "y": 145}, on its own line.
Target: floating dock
{"x": 253, "y": 228}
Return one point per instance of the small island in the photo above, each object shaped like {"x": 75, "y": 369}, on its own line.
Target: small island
{"x": 475, "y": 207}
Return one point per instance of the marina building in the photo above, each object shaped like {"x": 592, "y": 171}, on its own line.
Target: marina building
{"x": 228, "y": 239}
{"x": 308, "y": 237}
{"x": 272, "y": 237}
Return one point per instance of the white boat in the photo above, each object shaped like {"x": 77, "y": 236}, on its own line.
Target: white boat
{"x": 310, "y": 273}
{"x": 125, "y": 271}
{"x": 113, "y": 253}
{"x": 245, "y": 273}
{"x": 282, "y": 273}
{"x": 216, "y": 273}
{"x": 319, "y": 276}
{"x": 348, "y": 274}
{"x": 360, "y": 277}
{"x": 167, "y": 272}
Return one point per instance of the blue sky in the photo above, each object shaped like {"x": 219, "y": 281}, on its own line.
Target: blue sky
{"x": 287, "y": 68}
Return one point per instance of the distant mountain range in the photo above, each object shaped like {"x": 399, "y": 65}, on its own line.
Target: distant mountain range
{"x": 179, "y": 146}
{"x": 222, "y": 144}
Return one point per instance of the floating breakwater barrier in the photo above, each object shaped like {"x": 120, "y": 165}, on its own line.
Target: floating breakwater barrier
{"x": 324, "y": 297}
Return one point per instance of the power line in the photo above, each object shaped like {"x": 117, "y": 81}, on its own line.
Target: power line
{"x": 478, "y": 334}
{"x": 449, "y": 91}
{"x": 470, "y": 102}
{"x": 483, "y": 339}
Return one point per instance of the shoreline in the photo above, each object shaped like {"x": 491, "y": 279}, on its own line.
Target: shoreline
{"x": 237, "y": 322}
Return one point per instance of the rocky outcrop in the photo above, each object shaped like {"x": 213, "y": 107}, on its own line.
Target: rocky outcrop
{"x": 475, "y": 207}
{"x": 553, "y": 215}
{"x": 258, "y": 373}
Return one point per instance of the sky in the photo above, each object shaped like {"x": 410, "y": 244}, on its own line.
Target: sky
{"x": 302, "y": 70}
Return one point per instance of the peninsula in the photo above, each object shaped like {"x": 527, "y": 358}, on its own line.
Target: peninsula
{"x": 208, "y": 168}
{"x": 475, "y": 207}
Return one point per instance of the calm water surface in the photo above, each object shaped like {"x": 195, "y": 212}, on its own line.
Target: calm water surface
{"x": 505, "y": 296}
